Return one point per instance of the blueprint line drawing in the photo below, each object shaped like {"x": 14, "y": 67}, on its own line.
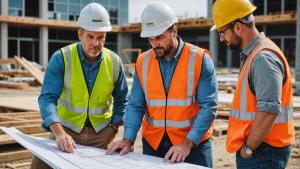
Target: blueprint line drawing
{"x": 89, "y": 157}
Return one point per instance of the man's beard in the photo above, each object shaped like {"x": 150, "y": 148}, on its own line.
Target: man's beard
{"x": 166, "y": 51}
{"x": 236, "y": 42}
{"x": 94, "y": 54}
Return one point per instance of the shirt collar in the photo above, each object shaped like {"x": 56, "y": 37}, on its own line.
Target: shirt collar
{"x": 178, "y": 52}
{"x": 81, "y": 55}
{"x": 252, "y": 44}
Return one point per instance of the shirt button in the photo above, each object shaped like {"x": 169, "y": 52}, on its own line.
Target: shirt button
{"x": 91, "y": 69}
{"x": 90, "y": 80}
{"x": 167, "y": 71}
{"x": 166, "y": 83}
{"x": 168, "y": 66}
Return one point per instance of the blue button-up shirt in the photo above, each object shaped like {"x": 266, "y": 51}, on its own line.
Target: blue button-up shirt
{"x": 207, "y": 93}
{"x": 54, "y": 81}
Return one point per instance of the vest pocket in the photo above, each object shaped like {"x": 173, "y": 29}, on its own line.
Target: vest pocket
{"x": 180, "y": 89}
{"x": 236, "y": 134}
{"x": 105, "y": 95}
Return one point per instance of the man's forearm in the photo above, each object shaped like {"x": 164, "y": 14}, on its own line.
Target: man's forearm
{"x": 57, "y": 129}
{"x": 261, "y": 127}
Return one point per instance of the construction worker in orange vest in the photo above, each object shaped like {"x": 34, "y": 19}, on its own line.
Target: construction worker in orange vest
{"x": 175, "y": 90}
{"x": 261, "y": 128}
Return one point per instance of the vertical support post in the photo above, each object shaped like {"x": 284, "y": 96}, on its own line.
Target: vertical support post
{"x": 265, "y": 7}
{"x": 4, "y": 31}
{"x": 213, "y": 37}
{"x": 124, "y": 42}
{"x": 265, "y": 29}
{"x": 297, "y": 66}
{"x": 282, "y": 6}
{"x": 43, "y": 41}
{"x": 229, "y": 58}
{"x": 282, "y": 45}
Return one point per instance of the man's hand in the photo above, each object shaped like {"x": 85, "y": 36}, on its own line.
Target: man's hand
{"x": 124, "y": 145}
{"x": 180, "y": 151}
{"x": 64, "y": 141}
{"x": 244, "y": 155}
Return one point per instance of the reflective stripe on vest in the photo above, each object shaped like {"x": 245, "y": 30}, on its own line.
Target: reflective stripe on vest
{"x": 170, "y": 123}
{"x": 172, "y": 102}
{"x": 70, "y": 125}
{"x": 77, "y": 129}
{"x": 286, "y": 112}
{"x": 66, "y": 103}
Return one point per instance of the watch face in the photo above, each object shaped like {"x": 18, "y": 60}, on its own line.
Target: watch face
{"x": 248, "y": 151}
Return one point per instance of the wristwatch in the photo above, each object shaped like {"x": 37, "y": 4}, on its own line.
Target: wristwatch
{"x": 115, "y": 128}
{"x": 247, "y": 150}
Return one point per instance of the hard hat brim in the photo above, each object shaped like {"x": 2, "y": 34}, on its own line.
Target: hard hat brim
{"x": 149, "y": 33}
{"x": 97, "y": 29}
{"x": 213, "y": 28}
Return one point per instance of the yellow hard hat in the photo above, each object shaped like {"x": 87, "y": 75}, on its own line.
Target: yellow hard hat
{"x": 226, "y": 11}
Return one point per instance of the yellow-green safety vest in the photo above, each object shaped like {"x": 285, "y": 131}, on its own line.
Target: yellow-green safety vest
{"x": 75, "y": 103}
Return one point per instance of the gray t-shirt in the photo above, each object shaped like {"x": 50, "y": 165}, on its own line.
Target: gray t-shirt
{"x": 266, "y": 78}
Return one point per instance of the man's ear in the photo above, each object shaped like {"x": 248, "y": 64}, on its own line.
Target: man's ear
{"x": 239, "y": 26}
{"x": 79, "y": 35}
{"x": 175, "y": 31}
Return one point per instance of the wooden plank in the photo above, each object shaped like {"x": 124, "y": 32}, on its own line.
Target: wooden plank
{"x": 221, "y": 127}
{"x": 21, "y": 123}
{"x": 8, "y": 61}
{"x": 223, "y": 113}
{"x": 38, "y": 71}
{"x": 14, "y": 85}
{"x": 31, "y": 71}
{"x": 19, "y": 113}
{"x": 30, "y": 117}
{"x": 10, "y": 166}
{"x": 6, "y": 139}
{"x": 45, "y": 22}
{"x": 20, "y": 103}
{"x": 16, "y": 155}
{"x": 28, "y": 129}
{"x": 3, "y": 119}
{"x": 13, "y": 166}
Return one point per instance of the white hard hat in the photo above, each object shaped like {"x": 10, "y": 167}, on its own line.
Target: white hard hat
{"x": 94, "y": 17}
{"x": 157, "y": 17}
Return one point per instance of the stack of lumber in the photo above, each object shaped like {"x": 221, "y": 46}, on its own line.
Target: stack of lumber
{"x": 220, "y": 127}
{"x": 30, "y": 71}
{"x": 35, "y": 72}
{"x": 26, "y": 122}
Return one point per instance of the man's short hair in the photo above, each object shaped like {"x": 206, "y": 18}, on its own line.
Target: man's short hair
{"x": 248, "y": 25}
{"x": 81, "y": 30}
{"x": 171, "y": 28}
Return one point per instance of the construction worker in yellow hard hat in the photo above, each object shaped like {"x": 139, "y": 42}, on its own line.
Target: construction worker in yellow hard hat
{"x": 261, "y": 128}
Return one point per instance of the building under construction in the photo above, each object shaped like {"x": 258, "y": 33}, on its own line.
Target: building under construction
{"x": 35, "y": 29}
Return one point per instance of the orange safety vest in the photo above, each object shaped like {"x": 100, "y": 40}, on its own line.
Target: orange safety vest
{"x": 243, "y": 108}
{"x": 176, "y": 112}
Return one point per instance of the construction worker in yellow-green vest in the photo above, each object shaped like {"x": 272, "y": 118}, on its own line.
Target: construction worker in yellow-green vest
{"x": 80, "y": 81}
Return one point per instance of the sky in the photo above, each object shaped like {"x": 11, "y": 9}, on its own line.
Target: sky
{"x": 182, "y": 8}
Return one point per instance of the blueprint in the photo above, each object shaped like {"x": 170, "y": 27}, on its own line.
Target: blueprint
{"x": 89, "y": 157}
